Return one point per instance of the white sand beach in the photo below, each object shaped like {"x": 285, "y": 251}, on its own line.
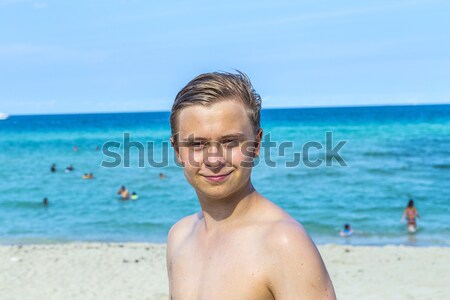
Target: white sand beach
{"x": 137, "y": 271}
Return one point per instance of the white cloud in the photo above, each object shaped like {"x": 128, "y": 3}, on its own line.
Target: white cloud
{"x": 357, "y": 99}
{"x": 34, "y": 4}
{"x": 9, "y": 2}
{"x": 21, "y": 49}
{"x": 40, "y": 5}
{"x": 48, "y": 53}
{"x": 305, "y": 17}
{"x": 354, "y": 11}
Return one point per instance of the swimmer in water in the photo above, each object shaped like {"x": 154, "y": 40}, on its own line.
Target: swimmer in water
{"x": 45, "y": 202}
{"x": 410, "y": 213}
{"x": 134, "y": 196}
{"x": 69, "y": 168}
{"x": 123, "y": 192}
{"x": 87, "y": 176}
{"x": 347, "y": 231}
{"x": 53, "y": 168}
{"x": 161, "y": 176}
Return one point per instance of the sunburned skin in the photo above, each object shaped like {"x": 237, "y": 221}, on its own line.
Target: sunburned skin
{"x": 240, "y": 245}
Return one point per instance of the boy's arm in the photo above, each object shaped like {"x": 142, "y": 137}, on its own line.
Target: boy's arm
{"x": 169, "y": 253}
{"x": 296, "y": 270}
{"x": 177, "y": 234}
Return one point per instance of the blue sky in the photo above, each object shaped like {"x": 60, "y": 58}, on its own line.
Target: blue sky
{"x": 107, "y": 56}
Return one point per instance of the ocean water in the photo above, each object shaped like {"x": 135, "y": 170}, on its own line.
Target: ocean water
{"x": 391, "y": 154}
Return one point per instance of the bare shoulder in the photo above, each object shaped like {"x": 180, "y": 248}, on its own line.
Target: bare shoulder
{"x": 286, "y": 237}
{"x": 286, "y": 233}
{"x": 295, "y": 267}
{"x": 181, "y": 230}
{"x": 282, "y": 230}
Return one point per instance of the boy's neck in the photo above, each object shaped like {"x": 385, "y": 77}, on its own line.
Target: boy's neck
{"x": 222, "y": 213}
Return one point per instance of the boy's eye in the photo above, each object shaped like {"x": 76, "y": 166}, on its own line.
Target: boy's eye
{"x": 231, "y": 143}
{"x": 197, "y": 145}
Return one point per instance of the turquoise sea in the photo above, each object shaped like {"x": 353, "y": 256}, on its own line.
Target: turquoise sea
{"x": 392, "y": 153}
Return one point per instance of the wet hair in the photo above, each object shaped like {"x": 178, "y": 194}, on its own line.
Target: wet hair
{"x": 210, "y": 88}
{"x": 347, "y": 226}
{"x": 411, "y": 203}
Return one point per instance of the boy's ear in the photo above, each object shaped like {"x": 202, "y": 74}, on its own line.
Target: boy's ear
{"x": 258, "y": 140}
{"x": 174, "y": 142}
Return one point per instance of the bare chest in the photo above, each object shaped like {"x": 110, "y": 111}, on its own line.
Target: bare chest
{"x": 225, "y": 271}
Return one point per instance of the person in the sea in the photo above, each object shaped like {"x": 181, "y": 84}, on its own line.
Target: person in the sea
{"x": 240, "y": 245}
{"x": 134, "y": 196}
{"x": 88, "y": 176}
{"x": 69, "y": 168}
{"x": 410, "y": 213}
{"x": 123, "y": 192}
{"x": 347, "y": 231}
{"x": 53, "y": 168}
{"x": 162, "y": 176}
{"x": 45, "y": 202}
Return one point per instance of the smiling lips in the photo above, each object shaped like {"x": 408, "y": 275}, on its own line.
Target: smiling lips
{"x": 217, "y": 178}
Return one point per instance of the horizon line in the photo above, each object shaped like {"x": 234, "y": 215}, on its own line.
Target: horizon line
{"x": 268, "y": 108}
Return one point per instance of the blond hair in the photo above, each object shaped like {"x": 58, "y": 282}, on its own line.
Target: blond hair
{"x": 209, "y": 88}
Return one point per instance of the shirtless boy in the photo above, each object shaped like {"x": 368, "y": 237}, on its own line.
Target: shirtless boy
{"x": 240, "y": 246}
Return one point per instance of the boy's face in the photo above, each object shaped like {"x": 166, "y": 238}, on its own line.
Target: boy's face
{"x": 216, "y": 147}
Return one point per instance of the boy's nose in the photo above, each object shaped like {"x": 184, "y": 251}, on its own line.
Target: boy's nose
{"x": 213, "y": 156}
